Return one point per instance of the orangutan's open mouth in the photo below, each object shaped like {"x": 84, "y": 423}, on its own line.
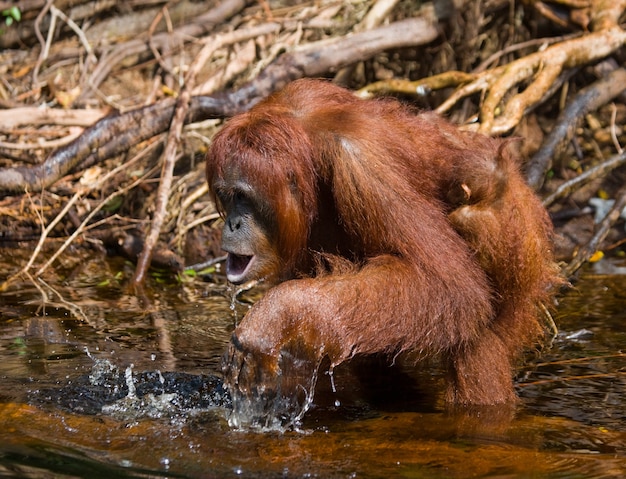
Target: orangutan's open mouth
{"x": 237, "y": 267}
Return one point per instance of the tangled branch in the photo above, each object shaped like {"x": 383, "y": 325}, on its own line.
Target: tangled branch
{"x": 541, "y": 69}
{"x": 116, "y": 133}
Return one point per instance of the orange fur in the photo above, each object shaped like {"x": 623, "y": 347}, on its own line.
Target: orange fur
{"x": 394, "y": 231}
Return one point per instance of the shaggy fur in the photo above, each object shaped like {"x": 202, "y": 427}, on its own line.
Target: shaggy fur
{"x": 385, "y": 231}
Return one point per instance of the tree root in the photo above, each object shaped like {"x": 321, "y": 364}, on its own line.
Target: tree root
{"x": 501, "y": 110}
{"x": 541, "y": 68}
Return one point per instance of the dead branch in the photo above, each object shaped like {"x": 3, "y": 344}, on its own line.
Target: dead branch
{"x": 74, "y": 133}
{"x": 541, "y": 68}
{"x": 41, "y": 116}
{"x": 112, "y": 135}
{"x": 169, "y": 158}
{"x": 45, "y": 46}
{"x": 219, "y": 41}
{"x": 116, "y": 133}
{"x": 588, "y": 99}
{"x": 420, "y": 87}
{"x": 584, "y": 253}
{"x": 375, "y": 16}
{"x": 598, "y": 171}
{"x": 200, "y": 27}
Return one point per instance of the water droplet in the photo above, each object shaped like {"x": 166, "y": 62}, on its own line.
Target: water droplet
{"x": 332, "y": 379}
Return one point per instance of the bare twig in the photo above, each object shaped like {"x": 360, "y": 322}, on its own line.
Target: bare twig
{"x": 541, "y": 69}
{"x": 201, "y": 26}
{"x": 46, "y": 231}
{"x": 101, "y": 205}
{"x": 83, "y": 191}
{"x": 165, "y": 63}
{"x": 616, "y": 143}
{"x": 535, "y": 42}
{"x": 560, "y": 379}
{"x": 237, "y": 36}
{"x": 45, "y": 44}
{"x": 73, "y": 308}
{"x": 39, "y": 116}
{"x": 584, "y": 253}
{"x": 588, "y": 99}
{"x": 116, "y": 133}
{"x": 198, "y": 221}
{"x": 75, "y": 132}
{"x": 77, "y": 30}
{"x": 598, "y": 171}
{"x": 375, "y": 16}
{"x": 206, "y": 264}
{"x": 182, "y": 227}
{"x": 31, "y": 260}
{"x": 169, "y": 155}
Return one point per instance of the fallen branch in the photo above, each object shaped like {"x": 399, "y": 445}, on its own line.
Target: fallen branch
{"x": 379, "y": 11}
{"x": 169, "y": 155}
{"x": 201, "y": 26}
{"x": 31, "y": 115}
{"x": 541, "y": 68}
{"x": 584, "y": 253}
{"x": 118, "y": 132}
{"x": 420, "y": 87}
{"x": 598, "y": 171}
{"x": 587, "y": 99}
{"x": 74, "y": 133}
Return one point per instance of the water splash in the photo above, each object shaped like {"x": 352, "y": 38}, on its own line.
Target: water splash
{"x": 331, "y": 376}
{"x": 234, "y": 297}
{"x": 132, "y": 406}
{"x": 103, "y": 373}
{"x": 128, "y": 375}
{"x": 272, "y": 410}
{"x": 130, "y": 395}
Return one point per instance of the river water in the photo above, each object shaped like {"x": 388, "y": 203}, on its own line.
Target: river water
{"x": 95, "y": 383}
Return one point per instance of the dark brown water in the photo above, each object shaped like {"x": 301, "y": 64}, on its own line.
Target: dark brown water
{"x": 67, "y": 353}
